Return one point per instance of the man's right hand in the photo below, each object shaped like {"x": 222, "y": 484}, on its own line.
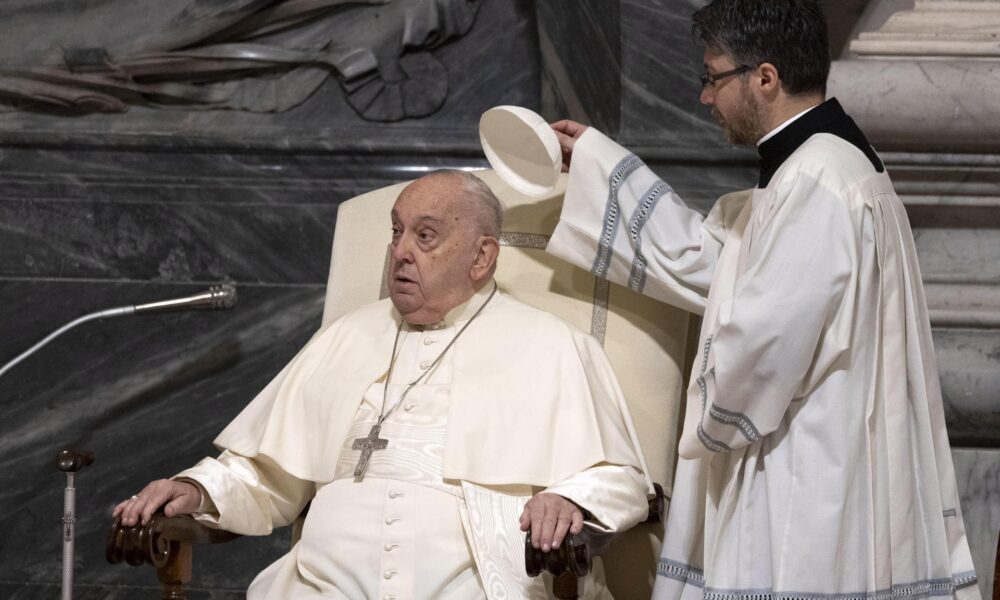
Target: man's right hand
{"x": 179, "y": 497}
{"x": 567, "y": 132}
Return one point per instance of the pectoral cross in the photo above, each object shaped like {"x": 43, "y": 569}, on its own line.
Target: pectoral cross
{"x": 367, "y": 445}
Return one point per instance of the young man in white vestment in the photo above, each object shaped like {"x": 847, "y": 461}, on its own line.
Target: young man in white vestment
{"x": 429, "y": 431}
{"x": 814, "y": 457}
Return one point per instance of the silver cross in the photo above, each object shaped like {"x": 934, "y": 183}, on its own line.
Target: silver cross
{"x": 367, "y": 445}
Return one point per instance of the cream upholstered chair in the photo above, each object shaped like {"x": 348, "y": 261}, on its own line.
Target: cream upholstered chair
{"x": 645, "y": 340}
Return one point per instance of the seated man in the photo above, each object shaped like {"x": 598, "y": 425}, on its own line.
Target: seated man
{"x": 421, "y": 429}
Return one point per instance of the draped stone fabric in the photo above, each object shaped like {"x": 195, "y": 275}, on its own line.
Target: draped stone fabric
{"x": 253, "y": 55}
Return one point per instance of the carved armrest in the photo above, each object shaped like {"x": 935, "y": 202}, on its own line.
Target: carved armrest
{"x": 577, "y": 552}
{"x": 164, "y": 542}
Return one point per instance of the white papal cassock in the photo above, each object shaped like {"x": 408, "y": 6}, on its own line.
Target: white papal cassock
{"x": 521, "y": 402}
{"x": 815, "y": 462}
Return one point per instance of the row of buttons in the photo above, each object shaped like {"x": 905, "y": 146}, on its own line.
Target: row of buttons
{"x": 427, "y": 342}
{"x": 389, "y": 547}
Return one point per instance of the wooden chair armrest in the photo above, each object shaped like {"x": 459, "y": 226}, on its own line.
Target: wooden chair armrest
{"x": 164, "y": 542}
{"x": 577, "y": 553}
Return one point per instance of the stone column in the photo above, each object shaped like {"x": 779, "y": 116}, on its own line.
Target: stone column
{"x": 925, "y": 86}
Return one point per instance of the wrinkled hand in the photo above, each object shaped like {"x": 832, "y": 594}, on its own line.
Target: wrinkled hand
{"x": 179, "y": 497}
{"x": 567, "y": 132}
{"x": 550, "y": 516}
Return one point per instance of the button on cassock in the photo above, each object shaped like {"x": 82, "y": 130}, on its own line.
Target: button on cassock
{"x": 424, "y": 365}
{"x": 388, "y": 574}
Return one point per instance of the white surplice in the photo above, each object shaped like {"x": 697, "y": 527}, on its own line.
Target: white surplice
{"x": 409, "y": 529}
{"x": 814, "y": 457}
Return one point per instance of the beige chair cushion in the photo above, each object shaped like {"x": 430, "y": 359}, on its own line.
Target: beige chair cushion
{"x": 644, "y": 339}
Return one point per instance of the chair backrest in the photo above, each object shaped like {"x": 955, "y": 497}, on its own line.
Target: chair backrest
{"x": 645, "y": 339}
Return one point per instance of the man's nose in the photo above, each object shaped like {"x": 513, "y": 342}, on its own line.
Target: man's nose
{"x": 402, "y": 249}
{"x": 707, "y": 97}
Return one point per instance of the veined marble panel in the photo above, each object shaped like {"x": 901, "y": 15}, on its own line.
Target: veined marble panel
{"x": 924, "y": 105}
{"x": 218, "y": 175}
{"x": 146, "y": 394}
{"x": 166, "y": 241}
{"x": 959, "y": 255}
{"x": 23, "y": 591}
{"x": 581, "y": 62}
{"x": 177, "y": 216}
{"x": 660, "y": 87}
{"x": 978, "y": 475}
{"x": 970, "y": 384}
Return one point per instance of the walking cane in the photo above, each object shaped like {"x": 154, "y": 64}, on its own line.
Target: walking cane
{"x": 69, "y": 462}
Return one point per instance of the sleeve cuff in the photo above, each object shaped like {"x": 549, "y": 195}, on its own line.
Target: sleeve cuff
{"x": 205, "y": 504}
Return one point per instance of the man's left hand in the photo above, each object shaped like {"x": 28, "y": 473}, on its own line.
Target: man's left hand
{"x": 550, "y": 516}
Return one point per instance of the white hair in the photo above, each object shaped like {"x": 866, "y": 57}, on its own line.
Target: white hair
{"x": 489, "y": 210}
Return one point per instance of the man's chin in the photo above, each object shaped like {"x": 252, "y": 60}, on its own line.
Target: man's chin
{"x": 408, "y": 305}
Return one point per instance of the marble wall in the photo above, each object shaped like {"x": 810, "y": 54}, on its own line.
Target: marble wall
{"x": 104, "y": 210}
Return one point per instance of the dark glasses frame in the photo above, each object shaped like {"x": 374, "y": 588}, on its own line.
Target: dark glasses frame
{"x": 707, "y": 78}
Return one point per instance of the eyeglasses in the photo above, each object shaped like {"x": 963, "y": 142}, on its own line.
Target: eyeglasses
{"x": 708, "y": 78}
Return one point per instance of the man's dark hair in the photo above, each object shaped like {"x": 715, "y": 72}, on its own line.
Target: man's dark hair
{"x": 789, "y": 34}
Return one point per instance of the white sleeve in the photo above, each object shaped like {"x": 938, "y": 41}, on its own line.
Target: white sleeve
{"x": 621, "y": 222}
{"x": 249, "y": 496}
{"x": 774, "y": 340}
{"x": 615, "y": 495}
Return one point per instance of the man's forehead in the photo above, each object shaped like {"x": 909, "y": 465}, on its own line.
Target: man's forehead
{"x": 424, "y": 204}
{"x": 418, "y": 217}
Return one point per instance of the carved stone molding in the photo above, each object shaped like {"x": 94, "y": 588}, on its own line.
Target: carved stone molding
{"x": 937, "y": 29}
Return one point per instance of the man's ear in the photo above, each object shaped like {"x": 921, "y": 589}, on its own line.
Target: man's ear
{"x": 768, "y": 76}
{"x": 487, "y": 252}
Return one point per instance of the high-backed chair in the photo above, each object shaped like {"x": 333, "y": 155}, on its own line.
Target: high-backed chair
{"x": 644, "y": 339}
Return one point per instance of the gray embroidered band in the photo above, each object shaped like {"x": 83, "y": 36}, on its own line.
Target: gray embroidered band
{"x": 599, "y": 318}
{"x": 602, "y": 289}
{"x": 927, "y": 588}
{"x": 737, "y": 420}
{"x": 612, "y": 214}
{"x": 637, "y": 278}
{"x": 709, "y": 442}
{"x": 517, "y": 239}
{"x": 684, "y": 573}
{"x": 679, "y": 571}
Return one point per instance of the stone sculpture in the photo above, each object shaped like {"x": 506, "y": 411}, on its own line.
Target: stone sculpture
{"x": 252, "y": 55}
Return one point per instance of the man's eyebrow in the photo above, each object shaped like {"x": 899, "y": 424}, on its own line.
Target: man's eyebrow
{"x": 422, "y": 219}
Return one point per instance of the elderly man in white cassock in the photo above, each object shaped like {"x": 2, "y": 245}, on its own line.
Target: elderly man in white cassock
{"x": 428, "y": 431}
{"x": 814, "y": 457}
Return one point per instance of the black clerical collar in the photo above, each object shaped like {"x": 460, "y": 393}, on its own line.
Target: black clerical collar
{"x": 828, "y": 117}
